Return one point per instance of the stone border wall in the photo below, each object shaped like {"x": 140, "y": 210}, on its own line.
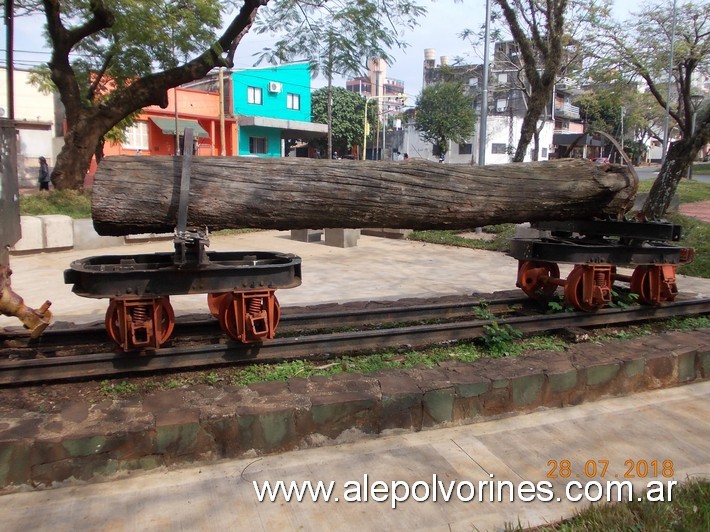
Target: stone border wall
{"x": 201, "y": 423}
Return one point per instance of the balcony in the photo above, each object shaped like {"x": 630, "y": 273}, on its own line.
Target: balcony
{"x": 567, "y": 110}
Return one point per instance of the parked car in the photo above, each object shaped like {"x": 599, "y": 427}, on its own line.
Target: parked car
{"x": 601, "y": 160}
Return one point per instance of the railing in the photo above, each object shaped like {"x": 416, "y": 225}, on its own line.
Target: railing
{"x": 567, "y": 110}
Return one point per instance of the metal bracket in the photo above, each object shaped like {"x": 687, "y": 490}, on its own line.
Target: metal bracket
{"x": 189, "y": 243}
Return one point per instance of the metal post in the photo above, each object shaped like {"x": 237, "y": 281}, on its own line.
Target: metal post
{"x": 9, "y": 50}
{"x": 621, "y": 157}
{"x": 668, "y": 98}
{"x": 364, "y": 131}
{"x": 692, "y": 132}
{"x": 177, "y": 130}
{"x": 484, "y": 95}
{"x": 222, "y": 136}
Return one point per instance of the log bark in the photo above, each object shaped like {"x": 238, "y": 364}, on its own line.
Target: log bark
{"x": 140, "y": 194}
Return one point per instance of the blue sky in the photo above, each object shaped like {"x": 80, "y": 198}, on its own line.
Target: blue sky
{"x": 439, "y": 29}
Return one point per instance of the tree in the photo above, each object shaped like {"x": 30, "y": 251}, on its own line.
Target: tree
{"x": 538, "y": 30}
{"x": 104, "y": 55}
{"x": 348, "y": 117}
{"x": 444, "y": 112}
{"x": 336, "y": 36}
{"x": 641, "y": 48}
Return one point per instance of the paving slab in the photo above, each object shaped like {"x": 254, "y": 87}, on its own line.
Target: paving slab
{"x": 664, "y": 426}
{"x": 376, "y": 269}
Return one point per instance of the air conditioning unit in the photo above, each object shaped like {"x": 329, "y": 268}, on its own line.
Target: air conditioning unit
{"x": 275, "y": 86}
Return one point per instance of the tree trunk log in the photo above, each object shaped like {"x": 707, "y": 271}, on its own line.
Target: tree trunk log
{"x": 140, "y": 194}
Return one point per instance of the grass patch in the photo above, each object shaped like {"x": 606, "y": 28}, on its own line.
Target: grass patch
{"x": 696, "y": 234}
{"x": 689, "y": 509}
{"x": 701, "y": 168}
{"x": 72, "y": 203}
{"x": 688, "y": 191}
{"x": 501, "y": 241}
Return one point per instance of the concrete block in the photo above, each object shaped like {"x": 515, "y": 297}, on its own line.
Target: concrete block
{"x": 525, "y": 231}
{"x": 58, "y": 230}
{"x": 397, "y": 234}
{"x": 342, "y": 238}
{"x": 86, "y": 237}
{"x": 306, "y": 235}
{"x": 147, "y": 237}
{"x": 32, "y": 237}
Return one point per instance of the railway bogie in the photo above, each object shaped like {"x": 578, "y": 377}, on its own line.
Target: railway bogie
{"x": 596, "y": 249}
{"x": 240, "y": 288}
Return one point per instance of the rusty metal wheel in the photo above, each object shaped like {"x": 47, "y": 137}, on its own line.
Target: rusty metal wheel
{"x": 654, "y": 284}
{"x": 119, "y": 313}
{"x": 533, "y": 275}
{"x": 249, "y": 318}
{"x": 214, "y": 302}
{"x": 580, "y": 290}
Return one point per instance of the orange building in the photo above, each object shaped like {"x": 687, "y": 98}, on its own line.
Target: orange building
{"x": 153, "y": 132}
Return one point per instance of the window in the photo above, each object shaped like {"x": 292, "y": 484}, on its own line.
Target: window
{"x": 257, "y": 144}
{"x": 503, "y": 78}
{"x": 293, "y": 101}
{"x": 501, "y": 104}
{"x": 137, "y": 136}
{"x": 254, "y": 95}
{"x": 498, "y": 148}
{"x": 544, "y": 152}
{"x": 465, "y": 149}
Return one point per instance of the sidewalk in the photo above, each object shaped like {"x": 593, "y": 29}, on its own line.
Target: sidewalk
{"x": 376, "y": 269}
{"x": 668, "y": 425}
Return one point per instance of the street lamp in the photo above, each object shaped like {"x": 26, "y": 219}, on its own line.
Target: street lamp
{"x": 695, "y": 101}
{"x": 364, "y": 134}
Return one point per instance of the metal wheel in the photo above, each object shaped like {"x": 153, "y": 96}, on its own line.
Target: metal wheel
{"x": 121, "y": 312}
{"x": 654, "y": 284}
{"x": 580, "y": 290}
{"x": 214, "y": 302}
{"x": 532, "y": 277}
{"x": 249, "y": 318}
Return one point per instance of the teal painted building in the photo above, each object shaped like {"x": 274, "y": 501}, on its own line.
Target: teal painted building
{"x": 273, "y": 104}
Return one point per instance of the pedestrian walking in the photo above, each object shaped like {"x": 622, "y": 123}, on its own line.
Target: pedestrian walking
{"x": 43, "y": 176}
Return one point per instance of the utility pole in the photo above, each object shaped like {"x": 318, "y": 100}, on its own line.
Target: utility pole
{"x": 670, "y": 81}
{"x": 484, "y": 95}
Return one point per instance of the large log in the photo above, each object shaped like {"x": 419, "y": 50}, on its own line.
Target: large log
{"x": 140, "y": 194}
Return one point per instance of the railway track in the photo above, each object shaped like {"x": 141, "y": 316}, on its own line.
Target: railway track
{"x": 49, "y": 364}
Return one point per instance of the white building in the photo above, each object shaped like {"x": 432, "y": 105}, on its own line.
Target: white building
{"x": 40, "y": 132}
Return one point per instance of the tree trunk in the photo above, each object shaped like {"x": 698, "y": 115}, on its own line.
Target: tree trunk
{"x": 672, "y": 170}
{"x": 536, "y": 107}
{"x": 75, "y": 156}
{"x": 140, "y": 194}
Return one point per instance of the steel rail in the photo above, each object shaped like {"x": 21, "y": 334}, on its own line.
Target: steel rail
{"x": 318, "y": 346}
{"x": 295, "y": 321}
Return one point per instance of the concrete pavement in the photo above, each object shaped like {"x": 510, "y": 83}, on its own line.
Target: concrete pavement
{"x": 377, "y": 268}
{"x": 670, "y": 427}
{"x": 661, "y": 425}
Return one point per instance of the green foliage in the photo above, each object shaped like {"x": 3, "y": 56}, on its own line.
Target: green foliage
{"x": 119, "y": 389}
{"x": 335, "y": 35}
{"x": 696, "y": 234}
{"x": 348, "y": 116}
{"x": 623, "y": 299}
{"x": 445, "y": 112}
{"x": 501, "y": 242}
{"x": 73, "y": 203}
{"x": 688, "y": 191}
{"x": 499, "y": 338}
{"x": 689, "y": 509}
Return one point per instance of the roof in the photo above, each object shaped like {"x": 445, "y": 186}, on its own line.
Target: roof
{"x": 167, "y": 126}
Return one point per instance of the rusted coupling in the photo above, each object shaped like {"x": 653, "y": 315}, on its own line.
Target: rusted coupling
{"x": 11, "y": 304}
